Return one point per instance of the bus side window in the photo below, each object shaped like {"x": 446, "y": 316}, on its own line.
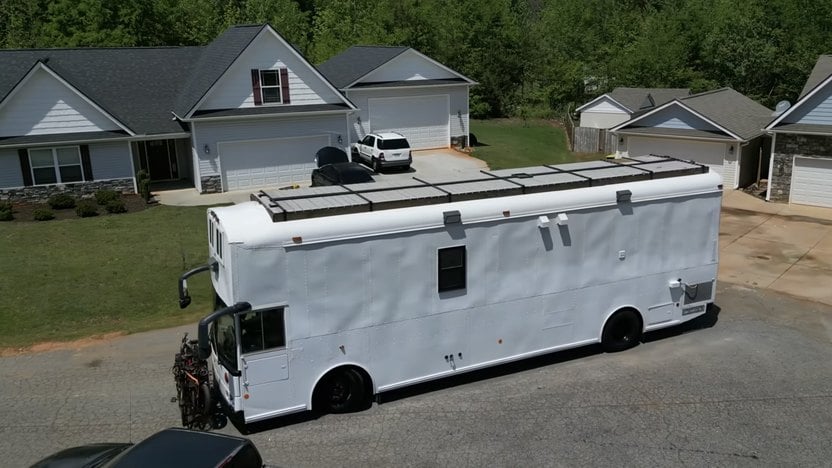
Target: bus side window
{"x": 262, "y": 330}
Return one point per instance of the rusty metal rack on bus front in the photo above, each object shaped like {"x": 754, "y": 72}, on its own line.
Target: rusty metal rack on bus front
{"x": 333, "y": 200}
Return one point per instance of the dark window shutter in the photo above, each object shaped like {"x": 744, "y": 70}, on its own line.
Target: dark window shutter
{"x": 25, "y": 168}
{"x": 284, "y": 85}
{"x": 255, "y": 87}
{"x": 86, "y": 165}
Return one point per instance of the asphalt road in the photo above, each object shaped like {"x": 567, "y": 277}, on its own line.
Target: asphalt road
{"x": 753, "y": 389}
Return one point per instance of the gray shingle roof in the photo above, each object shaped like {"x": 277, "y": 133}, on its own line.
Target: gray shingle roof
{"x": 355, "y": 62}
{"x": 820, "y": 72}
{"x": 683, "y": 132}
{"x": 731, "y": 110}
{"x": 635, "y": 99}
{"x": 137, "y": 86}
{"x": 271, "y": 110}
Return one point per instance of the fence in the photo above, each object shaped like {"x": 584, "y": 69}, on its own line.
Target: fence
{"x": 593, "y": 140}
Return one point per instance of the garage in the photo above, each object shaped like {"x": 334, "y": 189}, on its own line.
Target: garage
{"x": 812, "y": 181}
{"x": 260, "y": 163}
{"x": 423, "y": 120}
{"x": 703, "y": 152}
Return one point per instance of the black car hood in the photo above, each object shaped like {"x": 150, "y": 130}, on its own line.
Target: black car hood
{"x": 84, "y": 456}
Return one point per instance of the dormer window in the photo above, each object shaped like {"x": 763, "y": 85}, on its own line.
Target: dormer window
{"x": 270, "y": 86}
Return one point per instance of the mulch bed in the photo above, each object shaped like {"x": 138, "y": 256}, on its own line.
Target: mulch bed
{"x": 23, "y": 211}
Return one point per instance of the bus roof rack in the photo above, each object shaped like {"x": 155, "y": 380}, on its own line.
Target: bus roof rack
{"x": 313, "y": 202}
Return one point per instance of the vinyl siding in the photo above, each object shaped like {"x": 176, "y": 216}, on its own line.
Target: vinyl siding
{"x": 408, "y": 66}
{"x": 815, "y": 111}
{"x": 10, "y": 175}
{"x": 675, "y": 117}
{"x": 110, "y": 161}
{"x": 233, "y": 90}
{"x": 602, "y": 119}
{"x": 44, "y": 105}
{"x": 458, "y": 99}
{"x": 211, "y": 133}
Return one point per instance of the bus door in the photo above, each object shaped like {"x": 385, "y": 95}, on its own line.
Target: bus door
{"x": 264, "y": 359}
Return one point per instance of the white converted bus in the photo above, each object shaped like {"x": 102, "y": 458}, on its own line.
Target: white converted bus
{"x": 329, "y": 296}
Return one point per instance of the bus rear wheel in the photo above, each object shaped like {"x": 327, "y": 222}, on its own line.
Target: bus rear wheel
{"x": 341, "y": 391}
{"x": 622, "y": 331}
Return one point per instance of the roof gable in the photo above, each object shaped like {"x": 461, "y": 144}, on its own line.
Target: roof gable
{"x": 368, "y": 65}
{"x": 268, "y": 51}
{"x": 136, "y": 86}
{"x": 813, "y": 107}
{"x": 723, "y": 109}
{"x": 604, "y": 104}
{"x": 44, "y": 103}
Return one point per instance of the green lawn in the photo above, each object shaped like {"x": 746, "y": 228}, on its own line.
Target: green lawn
{"x": 510, "y": 143}
{"x": 73, "y": 278}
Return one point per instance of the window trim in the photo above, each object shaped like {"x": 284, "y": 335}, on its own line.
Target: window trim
{"x": 56, "y": 166}
{"x": 463, "y": 267}
{"x": 263, "y": 86}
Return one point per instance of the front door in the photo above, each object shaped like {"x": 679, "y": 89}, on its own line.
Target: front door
{"x": 161, "y": 159}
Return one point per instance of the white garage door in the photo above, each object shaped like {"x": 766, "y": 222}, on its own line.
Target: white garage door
{"x": 260, "y": 163}
{"x": 704, "y": 152}
{"x": 423, "y": 120}
{"x": 812, "y": 181}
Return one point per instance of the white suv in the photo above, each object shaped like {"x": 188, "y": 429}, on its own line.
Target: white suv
{"x": 382, "y": 150}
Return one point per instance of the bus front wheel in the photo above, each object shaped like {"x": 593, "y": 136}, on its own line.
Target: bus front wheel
{"x": 622, "y": 331}
{"x": 341, "y": 391}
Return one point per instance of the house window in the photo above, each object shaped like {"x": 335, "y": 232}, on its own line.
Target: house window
{"x": 262, "y": 330}
{"x": 56, "y": 165}
{"x": 270, "y": 86}
{"x": 452, "y": 268}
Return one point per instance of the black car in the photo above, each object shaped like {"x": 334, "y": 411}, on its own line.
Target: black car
{"x": 340, "y": 174}
{"x": 172, "y": 447}
{"x": 330, "y": 155}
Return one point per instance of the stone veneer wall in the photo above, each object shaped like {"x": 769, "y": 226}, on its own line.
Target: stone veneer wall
{"x": 40, "y": 193}
{"x": 786, "y": 147}
{"x": 211, "y": 184}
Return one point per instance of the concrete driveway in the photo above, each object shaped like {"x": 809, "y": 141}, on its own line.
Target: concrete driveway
{"x": 426, "y": 163}
{"x": 784, "y": 248}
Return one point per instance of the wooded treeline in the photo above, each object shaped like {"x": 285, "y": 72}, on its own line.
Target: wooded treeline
{"x": 531, "y": 57}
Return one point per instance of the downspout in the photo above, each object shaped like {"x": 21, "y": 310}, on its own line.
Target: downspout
{"x": 771, "y": 165}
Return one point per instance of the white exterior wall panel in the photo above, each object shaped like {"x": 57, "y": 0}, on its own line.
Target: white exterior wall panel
{"x": 110, "y": 161}
{"x": 44, "y": 105}
{"x": 234, "y": 89}
{"x": 10, "y": 175}
{"x": 602, "y": 120}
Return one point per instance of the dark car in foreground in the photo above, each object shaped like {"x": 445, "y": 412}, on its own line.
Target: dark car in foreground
{"x": 172, "y": 447}
{"x": 340, "y": 174}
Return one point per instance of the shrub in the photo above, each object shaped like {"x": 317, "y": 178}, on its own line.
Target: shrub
{"x": 43, "y": 214}
{"x": 86, "y": 208}
{"x": 103, "y": 197}
{"x": 6, "y": 215}
{"x": 143, "y": 181}
{"x": 61, "y": 201}
{"x": 115, "y": 206}
{"x": 6, "y": 206}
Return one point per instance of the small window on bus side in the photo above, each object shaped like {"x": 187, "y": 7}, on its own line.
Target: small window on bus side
{"x": 219, "y": 244}
{"x": 262, "y": 330}
{"x": 452, "y": 268}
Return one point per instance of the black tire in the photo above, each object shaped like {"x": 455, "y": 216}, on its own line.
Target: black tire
{"x": 376, "y": 166}
{"x": 341, "y": 391}
{"x": 622, "y": 331}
